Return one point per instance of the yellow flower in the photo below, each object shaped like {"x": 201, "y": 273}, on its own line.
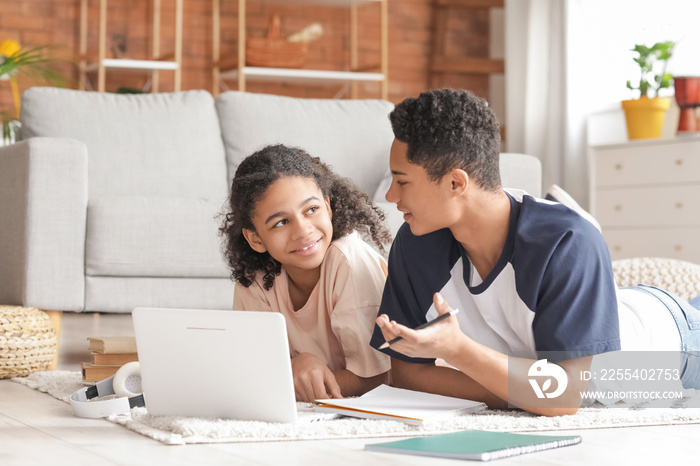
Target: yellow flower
{"x": 9, "y": 48}
{"x": 15, "y": 62}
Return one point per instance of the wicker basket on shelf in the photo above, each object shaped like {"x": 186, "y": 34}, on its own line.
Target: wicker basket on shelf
{"x": 274, "y": 51}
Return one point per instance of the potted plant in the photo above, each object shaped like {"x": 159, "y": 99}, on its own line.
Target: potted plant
{"x": 14, "y": 62}
{"x": 645, "y": 116}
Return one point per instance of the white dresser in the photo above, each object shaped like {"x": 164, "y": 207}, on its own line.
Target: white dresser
{"x": 646, "y": 196}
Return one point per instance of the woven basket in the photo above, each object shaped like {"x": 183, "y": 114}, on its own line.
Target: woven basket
{"x": 28, "y": 341}
{"x": 275, "y": 51}
{"x": 675, "y": 276}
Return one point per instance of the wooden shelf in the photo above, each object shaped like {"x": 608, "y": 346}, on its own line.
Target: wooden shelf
{"x": 471, "y": 3}
{"x": 301, "y": 75}
{"x": 330, "y": 3}
{"x": 242, "y": 73}
{"x": 100, "y": 63}
{"x": 447, "y": 64}
{"x": 442, "y": 62}
{"x": 453, "y": 66}
{"x": 126, "y": 63}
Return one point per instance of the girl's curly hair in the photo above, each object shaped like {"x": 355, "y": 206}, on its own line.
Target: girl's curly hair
{"x": 352, "y": 209}
{"x": 450, "y": 128}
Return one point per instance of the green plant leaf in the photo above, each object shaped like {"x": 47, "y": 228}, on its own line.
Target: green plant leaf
{"x": 658, "y": 54}
{"x": 664, "y": 82}
{"x": 32, "y": 63}
{"x": 641, "y": 49}
{"x": 665, "y": 50}
{"x": 9, "y": 126}
{"x": 644, "y": 88}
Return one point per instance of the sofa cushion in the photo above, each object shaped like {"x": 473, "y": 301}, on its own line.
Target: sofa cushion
{"x": 154, "y": 237}
{"x": 166, "y": 144}
{"x": 353, "y": 136}
{"x": 117, "y": 294}
{"x": 521, "y": 171}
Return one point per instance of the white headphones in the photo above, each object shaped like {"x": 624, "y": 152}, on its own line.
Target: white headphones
{"x": 125, "y": 384}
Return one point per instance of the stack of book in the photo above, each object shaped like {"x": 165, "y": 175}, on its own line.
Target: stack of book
{"x": 108, "y": 355}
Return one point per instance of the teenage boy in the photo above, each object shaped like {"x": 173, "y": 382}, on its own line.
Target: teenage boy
{"x": 529, "y": 277}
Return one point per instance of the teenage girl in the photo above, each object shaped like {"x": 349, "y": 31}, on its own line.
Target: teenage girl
{"x": 293, "y": 242}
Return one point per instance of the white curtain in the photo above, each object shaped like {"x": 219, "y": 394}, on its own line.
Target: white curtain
{"x": 544, "y": 115}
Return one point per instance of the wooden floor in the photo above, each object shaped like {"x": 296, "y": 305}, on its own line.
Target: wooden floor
{"x": 35, "y": 428}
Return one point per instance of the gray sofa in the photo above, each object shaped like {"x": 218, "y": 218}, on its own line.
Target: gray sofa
{"x": 109, "y": 202}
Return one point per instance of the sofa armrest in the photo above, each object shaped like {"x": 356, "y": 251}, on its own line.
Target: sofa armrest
{"x": 43, "y": 205}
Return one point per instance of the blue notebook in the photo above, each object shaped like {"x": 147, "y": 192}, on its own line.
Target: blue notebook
{"x": 478, "y": 445}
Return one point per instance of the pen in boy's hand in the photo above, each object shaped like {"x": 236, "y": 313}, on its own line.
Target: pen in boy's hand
{"x": 427, "y": 324}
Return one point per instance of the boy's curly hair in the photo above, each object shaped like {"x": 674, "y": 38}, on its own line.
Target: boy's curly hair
{"x": 352, "y": 209}
{"x": 450, "y": 128}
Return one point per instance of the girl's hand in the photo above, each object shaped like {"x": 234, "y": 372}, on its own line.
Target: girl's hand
{"x": 312, "y": 379}
{"x": 437, "y": 341}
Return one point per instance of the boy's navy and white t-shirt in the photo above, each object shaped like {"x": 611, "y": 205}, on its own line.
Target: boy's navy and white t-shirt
{"x": 552, "y": 289}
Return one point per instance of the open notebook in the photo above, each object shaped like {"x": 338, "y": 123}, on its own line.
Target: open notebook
{"x": 398, "y": 404}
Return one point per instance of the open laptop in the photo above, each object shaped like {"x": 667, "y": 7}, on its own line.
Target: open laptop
{"x": 217, "y": 364}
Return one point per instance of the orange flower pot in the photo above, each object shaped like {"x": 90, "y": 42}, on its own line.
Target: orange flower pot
{"x": 645, "y": 116}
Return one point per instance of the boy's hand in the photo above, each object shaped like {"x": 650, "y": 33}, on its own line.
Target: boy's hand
{"x": 436, "y": 341}
{"x": 312, "y": 379}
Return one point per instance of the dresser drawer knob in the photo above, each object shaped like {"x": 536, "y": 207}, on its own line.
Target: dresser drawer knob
{"x": 617, "y": 208}
{"x": 618, "y": 166}
{"x": 679, "y": 205}
{"x": 678, "y": 247}
{"x": 679, "y": 161}
{"x": 617, "y": 248}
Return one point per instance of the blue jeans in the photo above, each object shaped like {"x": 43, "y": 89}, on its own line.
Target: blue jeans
{"x": 687, "y": 317}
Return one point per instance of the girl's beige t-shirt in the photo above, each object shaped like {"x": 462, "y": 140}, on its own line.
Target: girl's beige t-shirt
{"x": 337, "y": 321}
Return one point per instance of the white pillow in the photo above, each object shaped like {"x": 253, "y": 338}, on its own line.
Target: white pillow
{"x": 394, "y": 218}
{"x": 383, "y": 187}
{"x": 557, "y": 194}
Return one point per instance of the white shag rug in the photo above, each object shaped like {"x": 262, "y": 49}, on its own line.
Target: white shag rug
{"x": 174, "y": 430}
